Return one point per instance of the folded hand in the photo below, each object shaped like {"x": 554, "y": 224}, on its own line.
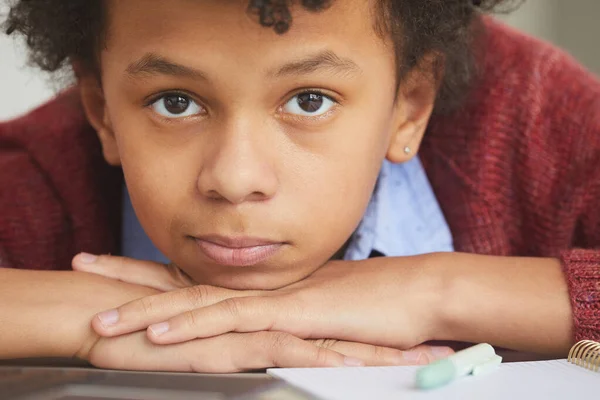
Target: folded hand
{"x": 188, "y": 316}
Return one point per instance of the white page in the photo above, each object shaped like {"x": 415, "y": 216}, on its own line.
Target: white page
{"x": 548, "y": 380}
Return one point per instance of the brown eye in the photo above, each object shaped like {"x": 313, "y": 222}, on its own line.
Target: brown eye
{"x": 176, "y": 106}
{"x": 309, "y": 104}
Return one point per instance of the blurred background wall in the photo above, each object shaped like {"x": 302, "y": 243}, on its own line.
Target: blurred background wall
{"x": 571, "y": 24}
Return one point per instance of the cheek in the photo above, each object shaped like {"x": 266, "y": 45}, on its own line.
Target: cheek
{"x": 160, "y": 175}
{"x": 333, "y": 188}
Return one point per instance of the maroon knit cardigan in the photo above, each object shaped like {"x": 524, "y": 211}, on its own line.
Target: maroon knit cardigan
{"x": 516, "y": 171}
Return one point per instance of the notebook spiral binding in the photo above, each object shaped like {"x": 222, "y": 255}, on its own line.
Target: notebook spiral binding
{"x": 586, "y": 354}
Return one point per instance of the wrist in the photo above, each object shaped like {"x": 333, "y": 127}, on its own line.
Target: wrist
{"x": 51, "y": 311}
{"x": 108, "y": 293}
{"x": 511, "y": 302}
{"x": 451, "y": 309}
{"x": 440, "y": 284}
{"x": 44, "y": 316}
{"x": 422, "y": 280}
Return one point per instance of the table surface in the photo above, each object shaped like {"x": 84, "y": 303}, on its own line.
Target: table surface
{"x": 28, "y": 374}
{"x": 507, "y": 356}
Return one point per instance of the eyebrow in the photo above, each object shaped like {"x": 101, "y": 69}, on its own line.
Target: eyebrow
{"x": 153, "y": 64}
{"x": 326, "y": 60}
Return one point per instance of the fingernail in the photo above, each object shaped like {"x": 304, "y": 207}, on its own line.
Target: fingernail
{"x": 412, "y": 356}
{"x": 87, "y": 258}
{"x": 353, "y": 362}
{"x": 108, "y": 318}
{"x": 423, "y": 359}
{"x": 159, "y": 329}
{"x": 441, "y": 352}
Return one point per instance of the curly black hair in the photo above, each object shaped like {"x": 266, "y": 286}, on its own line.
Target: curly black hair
{"x": 58, "y": 31}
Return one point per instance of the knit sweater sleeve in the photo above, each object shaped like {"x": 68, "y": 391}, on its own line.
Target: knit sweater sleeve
{"x": 582, "y": 271}
{"x": 581, "y": 263}
{"x": 4, "y": 262}
{"x": 31, "y": 215}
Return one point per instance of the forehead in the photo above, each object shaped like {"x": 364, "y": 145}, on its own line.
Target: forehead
{"x": 194, "y": 31}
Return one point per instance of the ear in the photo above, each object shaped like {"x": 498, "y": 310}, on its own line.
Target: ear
{"x": 94, "y": 105}
{"x": 413, "y": 108}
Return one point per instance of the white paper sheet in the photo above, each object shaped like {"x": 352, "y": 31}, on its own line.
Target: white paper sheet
{"x": 548, "y": 380}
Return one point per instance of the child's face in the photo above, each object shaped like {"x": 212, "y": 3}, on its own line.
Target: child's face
{"x": 263, "y": 141}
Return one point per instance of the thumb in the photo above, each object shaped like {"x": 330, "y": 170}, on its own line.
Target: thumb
{"x": 144, "y": 273}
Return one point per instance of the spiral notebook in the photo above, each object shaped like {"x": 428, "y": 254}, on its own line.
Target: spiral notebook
{"x": 548, "y": 380}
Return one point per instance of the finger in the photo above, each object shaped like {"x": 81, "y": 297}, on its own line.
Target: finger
{"x": 221, "y": 354}
{"x": 139, "y": 314}
{"x": 242, "y": 314}
{"x": 287, "y": 351}
{"x": 385, "y": 356}
{"x": 138, "y": 272}
{"x": 134, "y": 352}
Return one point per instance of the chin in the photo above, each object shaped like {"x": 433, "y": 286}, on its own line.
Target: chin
{"x": 248, "y": 278}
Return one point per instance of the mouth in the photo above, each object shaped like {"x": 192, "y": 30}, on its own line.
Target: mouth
{"x": 239, "y": 251}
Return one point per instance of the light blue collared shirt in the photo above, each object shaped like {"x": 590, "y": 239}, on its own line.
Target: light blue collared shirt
{"x": 403, "y": 218}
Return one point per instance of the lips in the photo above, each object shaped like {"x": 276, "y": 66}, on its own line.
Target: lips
{"x": 237, "y": 252}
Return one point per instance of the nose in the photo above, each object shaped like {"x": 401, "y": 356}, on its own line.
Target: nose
{"x": 238, "y": 167}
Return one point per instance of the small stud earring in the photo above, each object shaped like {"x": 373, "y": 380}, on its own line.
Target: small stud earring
{"x": 407, "y": 150}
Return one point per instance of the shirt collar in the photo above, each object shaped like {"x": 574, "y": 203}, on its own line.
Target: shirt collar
{"x": 403, "y": 217}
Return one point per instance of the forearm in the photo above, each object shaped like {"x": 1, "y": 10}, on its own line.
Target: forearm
{"x": 516, "y": 303}
{"x": 48, "y": 314}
